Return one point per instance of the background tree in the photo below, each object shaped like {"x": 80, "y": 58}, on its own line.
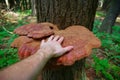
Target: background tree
{"x": 65, "y": 13}
{"x": 15, "y": 4}
{"x": 12, "y": 4}
{"x": 33, "y": 7}
{"x": 111, "y": 16}
{"x": 106, "y": 5}
{"x": 25, "y": 4}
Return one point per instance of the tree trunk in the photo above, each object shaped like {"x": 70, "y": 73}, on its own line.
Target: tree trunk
{"x": 111, "y": 16}
{"x": 33, "y": 6}
{"x": 65, "y": 13}
{"x": 25, "y": 4}
{"x": 74, "y": 72}
{"x": 106, "y": 5}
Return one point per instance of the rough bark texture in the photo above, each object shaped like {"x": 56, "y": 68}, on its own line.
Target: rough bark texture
{"x": 33, "y": 6}
{"x": 65, "y": 13}
{"x": 74, "y": 72}
{"x": 106, "y": 5}
{"x": 111, "y": 16}
{"x": 25, "y": 4}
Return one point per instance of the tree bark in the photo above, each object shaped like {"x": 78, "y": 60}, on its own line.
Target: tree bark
{"x": 111, "y": 16}
{"x": 25, "y": 4}
{"x": 33, "y": 6}
{"x": 74, "y": 72}
{"x": 106, "y": 5}
{"x": 65, "y": 13}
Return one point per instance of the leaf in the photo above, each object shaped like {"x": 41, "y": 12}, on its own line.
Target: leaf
{"x": 118, "y": 57}
{"x": 107, "y": 75}
{"x": 1, "y": 52}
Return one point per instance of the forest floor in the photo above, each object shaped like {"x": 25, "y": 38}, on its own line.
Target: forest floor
{"x": 14, "y": 18}
{"x": 100, "y": 15}
{"x": 91, "y": 73}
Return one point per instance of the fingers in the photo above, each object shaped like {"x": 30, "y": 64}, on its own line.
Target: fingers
{"x": 50, "y": 38}
{"x": 56, "y": 38}
{"x": 64, "y": 50}
{"x": 60, "y": 39}
{"x": 42, "y": 42}
{"x": 68, "y": 48}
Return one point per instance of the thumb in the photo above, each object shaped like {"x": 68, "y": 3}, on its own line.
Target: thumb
{"x": 64, "y": 50}
{"x": 68, "y": 48}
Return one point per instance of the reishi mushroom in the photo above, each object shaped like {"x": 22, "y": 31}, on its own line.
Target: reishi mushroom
{"x": 36, "y": 30}
{"x": 80, "y": 37}
{"x": 83, "y": 41}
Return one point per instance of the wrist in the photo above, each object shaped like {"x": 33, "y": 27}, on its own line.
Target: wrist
{"x": 44, "y": 53}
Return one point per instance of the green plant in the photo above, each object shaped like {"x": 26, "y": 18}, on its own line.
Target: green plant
{"x": 107, "y": 70}
{"x": 100, "y": 14}
{"x": 24, "y": 13}
{"x": 8, "y": 55}
{"x": 110, "y": 42}
{"x": 109, "y": 67}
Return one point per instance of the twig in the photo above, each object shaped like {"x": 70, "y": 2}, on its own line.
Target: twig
{"x": 7, "y": 30}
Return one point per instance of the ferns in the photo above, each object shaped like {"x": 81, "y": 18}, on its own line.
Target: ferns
{"x": 8, "y": 55}
{"x": 109, "y": 67}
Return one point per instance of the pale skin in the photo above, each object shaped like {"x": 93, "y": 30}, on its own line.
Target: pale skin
{"x": 31, "y": 67}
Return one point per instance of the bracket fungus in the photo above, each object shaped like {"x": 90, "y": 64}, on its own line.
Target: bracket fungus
{"x": 36, "y": 30}
{"x": 80, "y": 37}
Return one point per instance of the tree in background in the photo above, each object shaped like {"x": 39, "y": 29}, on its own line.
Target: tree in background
{"x": 10, "y": 4}
{"x": 25, "y": 4}
{"x": 33, "y": 7}
{"x": 65, "y": 13}
{"x": 15, "y": 4}
{"x": 106, "y": 5}
{"x": 111, "y": 16}
{"x": 68, "y": 12}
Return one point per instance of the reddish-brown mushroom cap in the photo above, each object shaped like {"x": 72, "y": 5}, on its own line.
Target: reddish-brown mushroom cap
{"x": 80, "y": 37}
{"x": 36, "y": 30}
{"x": 20, "y": 41}
{"x": 51, "y": 26}
{"x": 28, "y": 49}
{"x": 83, "y": 41}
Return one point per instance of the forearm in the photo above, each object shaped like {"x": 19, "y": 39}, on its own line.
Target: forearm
{"x": 27, "y": 69}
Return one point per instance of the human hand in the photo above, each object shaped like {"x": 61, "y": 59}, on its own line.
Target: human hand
{"x": 52, "y": 47}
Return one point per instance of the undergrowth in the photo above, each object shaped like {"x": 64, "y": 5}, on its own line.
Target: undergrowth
{"x": 109, "y": 66}
{"x": 8, "y": 55}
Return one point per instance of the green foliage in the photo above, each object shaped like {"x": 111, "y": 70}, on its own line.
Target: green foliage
{"x": 105, "y": 68}
{"x": 111, "y": 44}
{"x": 100, "y": 14}
{"x": 24, "y": 13}
{"x": 109, "y": 67}
{"x": 8, "y": 55}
